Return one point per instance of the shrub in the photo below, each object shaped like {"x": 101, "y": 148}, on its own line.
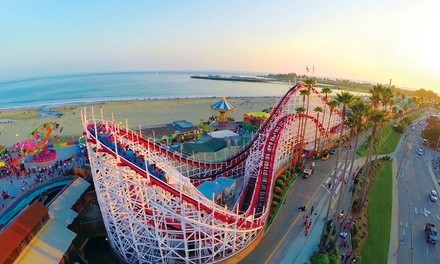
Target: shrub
{"x": 329, "y": 225}
{"x": 355, "y": 244}
{"x": 280, "y": 183}
{"x": 334, "y": 259}
{"x": 355, "y": 230}
{"x": 399, "y": 128}
{"x": 274, "y": 204}
{"x": 283, "y": 178}
{"x": 407, "y": 120}
{"x": 319, "y": 258}
{"x": 277, "y": 190}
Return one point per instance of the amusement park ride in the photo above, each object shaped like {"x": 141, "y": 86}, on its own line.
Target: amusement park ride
{"x": 38, "y": 144}
{"x": 152, "y": 209}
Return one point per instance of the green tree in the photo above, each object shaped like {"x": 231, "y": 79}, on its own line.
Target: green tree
{"x": 376, "y": 95}
{"x": 343, "y": 98}
{"x": 376, "y": 117}
{"x": 326, "y": 91}
{"x": 332, "y": 106}
{"x": 305, "y": 94}
{"x": 298, "y": 144}
{"x": 317, "y": 110}
{"x": 356, "y": 119}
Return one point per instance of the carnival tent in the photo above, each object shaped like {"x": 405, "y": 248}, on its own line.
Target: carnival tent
{"x": 222, "y": 134}
{"x": 222, "y": 107}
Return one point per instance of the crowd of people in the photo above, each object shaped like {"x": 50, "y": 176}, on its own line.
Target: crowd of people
{"x": 16, "y": 179}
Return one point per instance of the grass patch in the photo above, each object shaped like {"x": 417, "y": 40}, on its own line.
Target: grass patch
{"x": 379, "y": 217}
{"x": 388, "y": 140}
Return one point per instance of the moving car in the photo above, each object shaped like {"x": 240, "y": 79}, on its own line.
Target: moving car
{"x": 333, "y": 151}
{"x": 307, "y": 173}
{"x": 433, "y": 196}
{"x": 431, "y": 233}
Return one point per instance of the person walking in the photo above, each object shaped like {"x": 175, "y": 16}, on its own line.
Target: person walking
{"x": 311, "y": 210}
{"x": 306, "y": 220}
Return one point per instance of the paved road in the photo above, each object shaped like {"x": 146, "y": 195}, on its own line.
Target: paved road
{"x": 285, "y": 241}
{"x": 415, "y": 180}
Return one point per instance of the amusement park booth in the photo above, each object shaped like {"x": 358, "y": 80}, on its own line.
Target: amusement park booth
{"x": 223, "y": 134}
{"x": 252, "y": 121}
{"x": 219, "y": 190}
{"x": 178, "y": 131}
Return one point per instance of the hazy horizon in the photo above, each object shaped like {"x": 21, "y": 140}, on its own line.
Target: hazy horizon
{"x": 372, "y": 41}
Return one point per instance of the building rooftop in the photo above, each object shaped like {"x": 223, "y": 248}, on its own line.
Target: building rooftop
{"x": 17, "y": 232}
{"x": 215, "y": 188}
{"x": 54, "y": 238}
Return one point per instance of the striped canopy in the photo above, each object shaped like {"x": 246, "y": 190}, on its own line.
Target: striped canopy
{"x": 222, "y": 105}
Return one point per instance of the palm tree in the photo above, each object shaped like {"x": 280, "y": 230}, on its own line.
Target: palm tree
{"x": 387, "y": 97}
{"x": 326, "y": 91}
{"x": 376, "y": 95}
{"x": 317, "y": 110}
{"x": 376, "y": 117}
{"x": 299, "y": 110}
{"x": 343, "y": 98}
{"x": 332, "y": 105}
{"x": 304, "y": 93}
{"x": 356, "y": 119}
{"x": 310, "y": 83}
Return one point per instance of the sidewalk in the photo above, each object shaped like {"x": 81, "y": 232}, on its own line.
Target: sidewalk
{"x": 305, "y": 246}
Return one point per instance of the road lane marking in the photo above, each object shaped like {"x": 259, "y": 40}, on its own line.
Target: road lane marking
{"x": 426, "y": 212}
{"x": 291, "y": 227}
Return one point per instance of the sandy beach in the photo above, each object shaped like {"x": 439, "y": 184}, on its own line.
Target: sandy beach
{"x": 138, "y": 112}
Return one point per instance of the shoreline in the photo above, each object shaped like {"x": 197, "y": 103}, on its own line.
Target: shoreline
{"x": 58, "y": 105}
{"x": 146, "y": 112}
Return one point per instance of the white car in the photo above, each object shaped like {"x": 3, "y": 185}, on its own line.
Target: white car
{"x": 307, "y": 173}
{"x": 433, "y": 196}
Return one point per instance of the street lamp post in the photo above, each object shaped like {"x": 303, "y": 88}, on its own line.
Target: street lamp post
{"x": 401, "y": 160}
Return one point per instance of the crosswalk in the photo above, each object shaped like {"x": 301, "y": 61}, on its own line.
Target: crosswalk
{"x": 339, "y": 180}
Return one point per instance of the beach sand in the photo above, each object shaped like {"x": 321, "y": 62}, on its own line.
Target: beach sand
{"x": 138, "y": 112}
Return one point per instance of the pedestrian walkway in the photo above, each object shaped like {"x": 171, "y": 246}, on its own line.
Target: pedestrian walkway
{"x": 37, "y": 174}
{"x": 339, "y": 180}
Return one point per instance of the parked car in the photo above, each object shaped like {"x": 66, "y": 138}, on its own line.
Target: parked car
{"x": 433, "y": 196}
{"x": 431, "y": 233}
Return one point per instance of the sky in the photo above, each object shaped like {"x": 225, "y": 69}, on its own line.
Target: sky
{"x": 372, "y": 40}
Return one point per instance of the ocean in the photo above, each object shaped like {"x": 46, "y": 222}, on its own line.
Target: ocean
{"x": 47, "y": 92}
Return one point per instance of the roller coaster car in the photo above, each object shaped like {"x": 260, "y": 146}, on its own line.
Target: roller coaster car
{"x": 325, "y": 157}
